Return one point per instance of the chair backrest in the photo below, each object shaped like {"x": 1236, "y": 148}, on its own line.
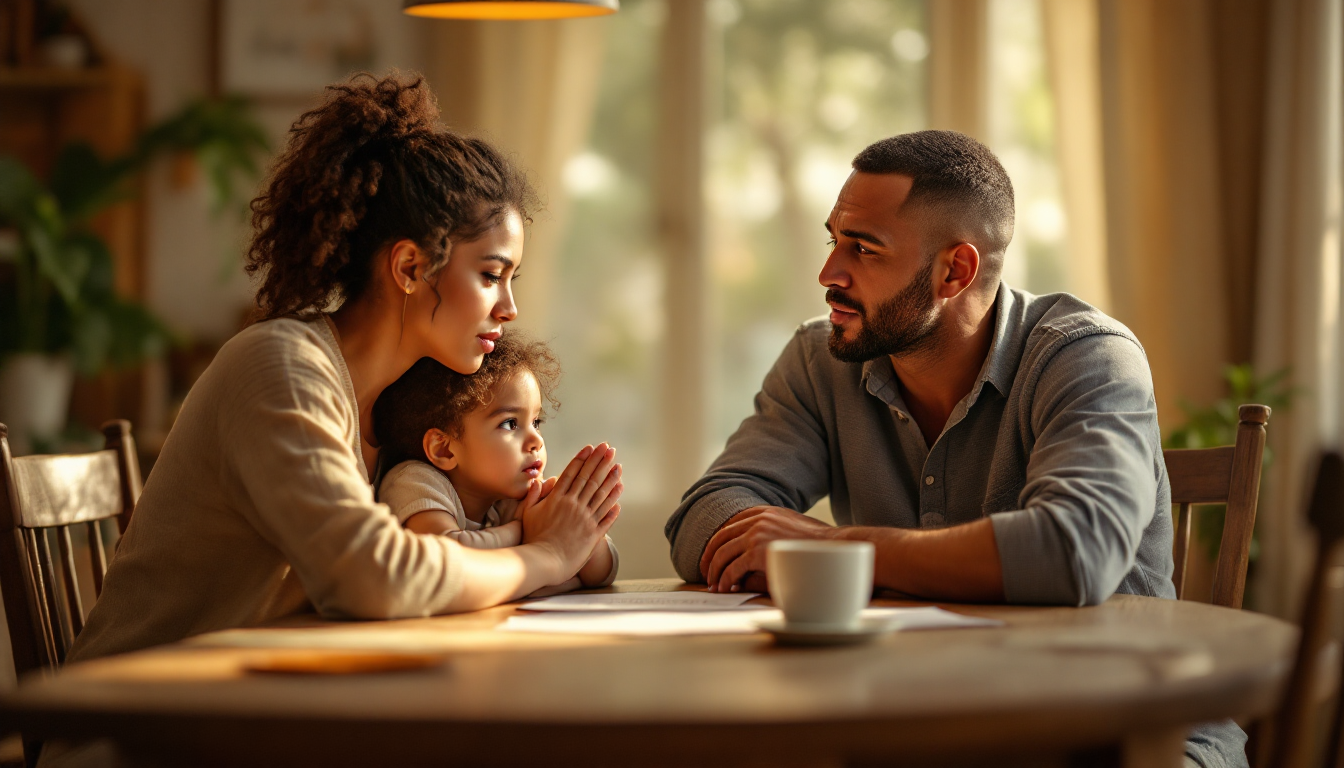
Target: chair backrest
{"x": 1227, "y": 475}
{"x": 45, "y": 496}
{"x": 1296, "y": 739}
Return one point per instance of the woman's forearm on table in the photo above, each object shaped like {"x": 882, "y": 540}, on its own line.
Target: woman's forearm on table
{"x": 494, "y": 576}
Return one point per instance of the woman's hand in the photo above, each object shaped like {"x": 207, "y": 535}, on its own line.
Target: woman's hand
{"x": 578, "y": 509}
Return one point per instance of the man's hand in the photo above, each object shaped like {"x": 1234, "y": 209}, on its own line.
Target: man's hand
{"x": 735, "y": 557}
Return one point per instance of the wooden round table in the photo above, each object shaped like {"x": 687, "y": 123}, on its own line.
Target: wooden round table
{"x": 1120, "y": 682}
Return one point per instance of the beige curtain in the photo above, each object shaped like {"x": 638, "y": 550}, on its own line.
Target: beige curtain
{"x": 1164, "y": 221}
{"x": 1299, "y": 281}
{"x": 1214, "y": 130}
{"x": 1073, "y": 61}
{"x": 530, "y": 87}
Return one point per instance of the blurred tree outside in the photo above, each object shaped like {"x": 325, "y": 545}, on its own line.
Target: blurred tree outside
{"x": 607, "y": 322}
{"x": 1022, "y": 135}
{"x": 802, "y": 87}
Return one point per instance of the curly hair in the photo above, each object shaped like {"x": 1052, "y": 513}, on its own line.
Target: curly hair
{"x": 433, "y": 396}
{"x": 368, "y": 167}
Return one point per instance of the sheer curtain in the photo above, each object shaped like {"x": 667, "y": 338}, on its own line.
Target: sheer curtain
{"x": 530, "y": 87}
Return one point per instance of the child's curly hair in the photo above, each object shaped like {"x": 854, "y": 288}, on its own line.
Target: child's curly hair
{"x": 432, "y": 396}
{"x": 368, "y": 167}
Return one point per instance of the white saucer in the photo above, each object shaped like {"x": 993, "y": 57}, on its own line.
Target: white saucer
{"x": 866, "y": 630}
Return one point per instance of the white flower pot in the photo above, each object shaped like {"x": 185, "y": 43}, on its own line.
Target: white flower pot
{"x": 34, "y": 397}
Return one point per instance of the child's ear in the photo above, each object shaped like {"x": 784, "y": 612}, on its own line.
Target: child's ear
{"x": 438, "y": 447}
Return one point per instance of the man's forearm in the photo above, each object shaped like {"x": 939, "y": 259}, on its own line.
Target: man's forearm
{"x": 959, "y": 563}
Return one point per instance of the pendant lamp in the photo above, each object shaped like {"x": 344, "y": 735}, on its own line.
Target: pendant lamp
{"x": 510, "y": 9}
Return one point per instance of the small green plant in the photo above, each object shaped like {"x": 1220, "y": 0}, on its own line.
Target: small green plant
{"x": 1216, "y": 424}
{"x": 61, "y": 299}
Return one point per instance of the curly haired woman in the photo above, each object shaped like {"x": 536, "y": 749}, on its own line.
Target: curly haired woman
{"x": 380, "y": 238}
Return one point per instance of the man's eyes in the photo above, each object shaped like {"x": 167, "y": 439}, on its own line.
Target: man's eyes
{"x": 858, "y": 246}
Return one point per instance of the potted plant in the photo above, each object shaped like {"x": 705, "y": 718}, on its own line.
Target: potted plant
{"x": 59, "y": 313}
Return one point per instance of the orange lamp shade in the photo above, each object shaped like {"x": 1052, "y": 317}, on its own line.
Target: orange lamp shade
{"x": 510, "y": 9}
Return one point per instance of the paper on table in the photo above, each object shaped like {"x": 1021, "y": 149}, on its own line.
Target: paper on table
{"x": 643, "y": 601}
{"x": 641, "y": 623}
{"x": 907, "y": 619}
{"x": 739, "y": 622}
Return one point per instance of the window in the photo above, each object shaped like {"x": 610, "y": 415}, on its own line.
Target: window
{"x": 794, "y": 88}
{"x": 801, "y": 88}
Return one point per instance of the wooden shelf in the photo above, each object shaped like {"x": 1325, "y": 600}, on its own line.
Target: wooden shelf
{"x": 52, "y": 78}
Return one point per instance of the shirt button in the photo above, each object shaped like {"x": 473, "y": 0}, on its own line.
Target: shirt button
{"x": 928, "y": 480}
{"x": 931, "y": 520}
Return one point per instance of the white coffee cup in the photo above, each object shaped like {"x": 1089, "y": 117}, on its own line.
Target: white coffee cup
{"x": 820, "y": 584}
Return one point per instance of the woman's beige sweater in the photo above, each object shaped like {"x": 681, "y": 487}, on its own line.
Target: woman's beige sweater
{"x": 260, "y": 506}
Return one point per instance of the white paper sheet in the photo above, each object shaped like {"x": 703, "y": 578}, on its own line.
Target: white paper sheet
{"x": 909, "y": 619}
{"x": 742, "y": 621}
{"x": 643, "y": 601}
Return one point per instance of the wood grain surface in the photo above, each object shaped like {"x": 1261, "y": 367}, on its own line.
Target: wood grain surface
{"x": 1116, "y": 683}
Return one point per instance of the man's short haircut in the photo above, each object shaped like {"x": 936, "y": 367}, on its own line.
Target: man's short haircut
{"x": 959, "y": 181}
{"x": 433, "y": 396}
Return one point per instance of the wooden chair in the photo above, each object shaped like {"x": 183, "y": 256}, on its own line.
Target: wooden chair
{"x": 1227, "y": 475}
{"x": 1296, "y": 740}
{"x": 44, "y": 496}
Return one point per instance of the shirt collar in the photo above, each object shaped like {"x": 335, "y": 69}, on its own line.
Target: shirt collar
{"x": 879, "y": 378}
{"x": 1000, "y": 367}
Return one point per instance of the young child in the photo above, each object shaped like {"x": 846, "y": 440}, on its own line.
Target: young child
{"x": 463, "y": 450}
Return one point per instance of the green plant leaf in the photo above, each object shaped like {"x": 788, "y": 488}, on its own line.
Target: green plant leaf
{"x": 18, "y": 189}
{"x": 83, "y": 184}
{"x": 65, "y": 267}
{"x": 92, "y": 340}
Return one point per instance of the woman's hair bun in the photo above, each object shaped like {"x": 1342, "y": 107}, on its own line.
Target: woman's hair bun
{"x": 371, "y": 165}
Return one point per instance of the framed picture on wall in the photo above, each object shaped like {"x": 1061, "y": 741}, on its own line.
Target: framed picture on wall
{"x": 294, "y": 48}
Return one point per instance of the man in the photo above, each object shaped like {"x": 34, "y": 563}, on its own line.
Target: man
{"x": 993, "y": 445}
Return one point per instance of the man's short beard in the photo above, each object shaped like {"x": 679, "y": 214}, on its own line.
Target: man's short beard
{"x": 900, "y": 325}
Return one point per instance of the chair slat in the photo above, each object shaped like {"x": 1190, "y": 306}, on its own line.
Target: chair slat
{"x": 60, "y": 623}
{"x": 98, "y": 553}
{"x": 63, "y": 490}
{"x": 1243, "y": 495}
{"x": 46, "y": 623}
{"x": 1199, "y": 476}
{"x": 72, "y": 598}
{"x": 1184, "y": 514}
{"x": 117, "y": 437}
{"x": 22, "y": 614}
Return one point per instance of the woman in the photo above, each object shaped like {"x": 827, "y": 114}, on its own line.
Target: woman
{"x": 260, "y": 504}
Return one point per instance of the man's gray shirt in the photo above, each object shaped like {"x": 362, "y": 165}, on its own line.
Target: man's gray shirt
{"x": 1057, "y": 443}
